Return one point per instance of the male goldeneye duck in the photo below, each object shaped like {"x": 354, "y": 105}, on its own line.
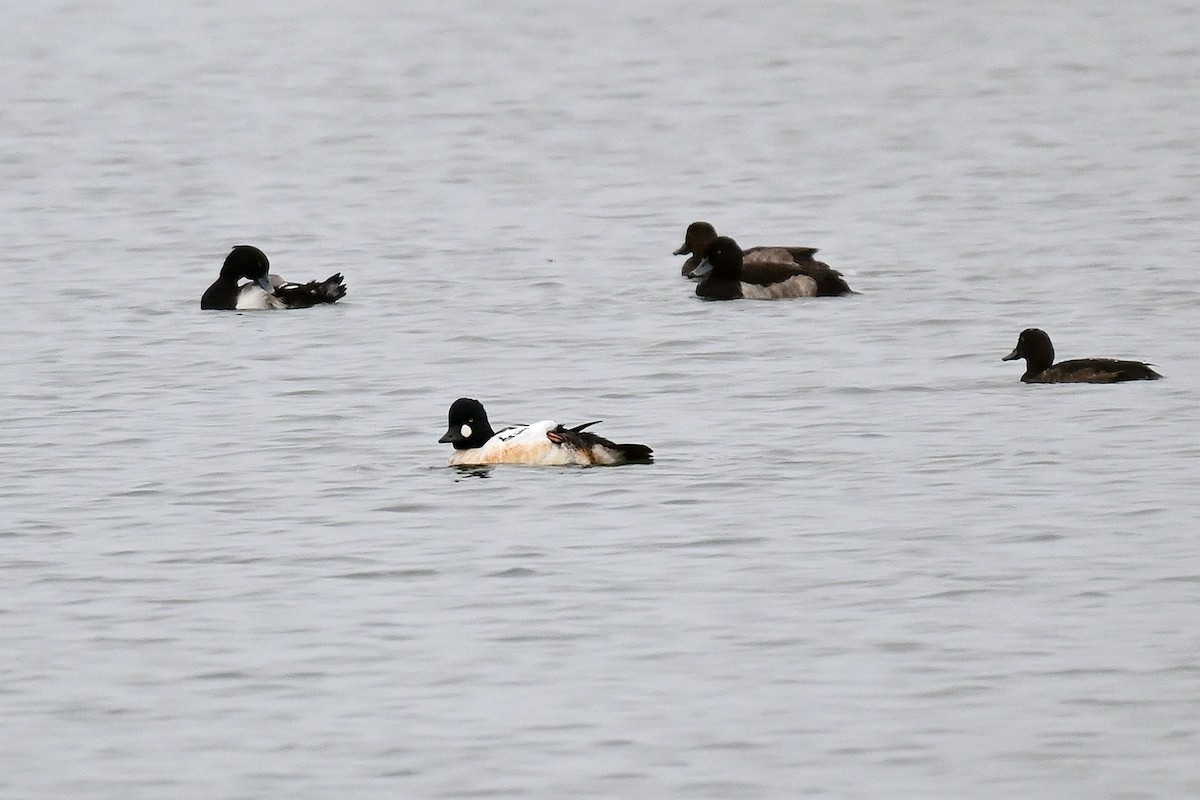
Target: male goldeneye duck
{"x": 264, "y": 290}
{"x": 830, "y": 282}
{"x": 723, "y": 276}
{"x": 543, "y": 443}
{"x": 1034, "y": 346}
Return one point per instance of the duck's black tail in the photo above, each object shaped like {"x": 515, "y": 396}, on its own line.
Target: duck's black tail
{"x": 830, "y": 282}
{"x": 298, "y": 295}
{"x": 600, "y": 450}
{"x": 635, "y": 453}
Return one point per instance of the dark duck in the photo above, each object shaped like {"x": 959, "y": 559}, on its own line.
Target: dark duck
{"x": 829, "y": 282}
{"x": 1034, "y": 346}
{"x": 263, "y": 290}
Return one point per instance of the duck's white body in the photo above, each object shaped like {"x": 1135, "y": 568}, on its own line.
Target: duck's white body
{"x": 542, "y": 444}
{"x": 532, "y": 445}
{"x": 252, "y": 297}
{"x": 519, "y": 444}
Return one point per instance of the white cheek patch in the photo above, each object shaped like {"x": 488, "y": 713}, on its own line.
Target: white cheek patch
{"x": 465, "y": 430}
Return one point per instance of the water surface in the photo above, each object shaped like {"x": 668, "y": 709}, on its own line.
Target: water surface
{"x": 867, "y": 562}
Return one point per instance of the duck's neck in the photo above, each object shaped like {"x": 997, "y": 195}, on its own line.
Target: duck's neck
{"x": 1038, "y": 362}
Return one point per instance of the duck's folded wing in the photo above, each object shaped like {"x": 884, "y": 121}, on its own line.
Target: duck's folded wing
{"x": 799, "y": 255}
{"x": 829, "y": 281}
{"x": 765, "y": 273}
{"x": 1098, "y": 370}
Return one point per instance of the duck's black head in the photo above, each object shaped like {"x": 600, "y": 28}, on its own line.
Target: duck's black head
{"x": 1034, "y": 346}
{"x": 469, "y": 427}
{"x": 722, "y": 260}
{"x": 697, "y": 237}
{"x": 247, "y": 261}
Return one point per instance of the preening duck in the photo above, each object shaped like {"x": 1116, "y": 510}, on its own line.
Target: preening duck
{"x": 264, "y": 290}
{"x": 1034, "y": 346}
{"x": 545, "y": 443}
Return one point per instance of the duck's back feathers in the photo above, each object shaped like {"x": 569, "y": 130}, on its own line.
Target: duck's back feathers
{"x": 765, "y": 273}
{"x": 795, "y": 255}
{"x": 1094, "y": 370}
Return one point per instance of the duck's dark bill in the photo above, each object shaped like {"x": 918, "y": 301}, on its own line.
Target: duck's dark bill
{"x": 683, "y": 248}
{"x": 265, "y": 283}
{"x": 448, "y": 437}
{"x": 1013, "y": 356}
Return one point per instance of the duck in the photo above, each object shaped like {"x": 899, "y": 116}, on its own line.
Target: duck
{"x": 723, "y": 276}
{"x": 700, "y": 235}
{"x": 544, "y": 443}
{"x": 1035, "y": 347}
{"x": 264, "y": 290}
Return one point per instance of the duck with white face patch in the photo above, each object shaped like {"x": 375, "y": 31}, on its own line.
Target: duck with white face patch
{"x": 544, "y": 443}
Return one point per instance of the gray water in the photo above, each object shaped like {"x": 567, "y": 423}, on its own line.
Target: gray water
{"x": 868, "y": 562}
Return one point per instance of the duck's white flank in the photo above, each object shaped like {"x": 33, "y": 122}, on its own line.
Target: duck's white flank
{"x": 529, "y": 444}
{"x": 797, "y": 286}
{"x": 252, "y": 297}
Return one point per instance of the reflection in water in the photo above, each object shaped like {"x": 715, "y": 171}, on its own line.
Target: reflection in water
{"x": 475, "y": 470}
